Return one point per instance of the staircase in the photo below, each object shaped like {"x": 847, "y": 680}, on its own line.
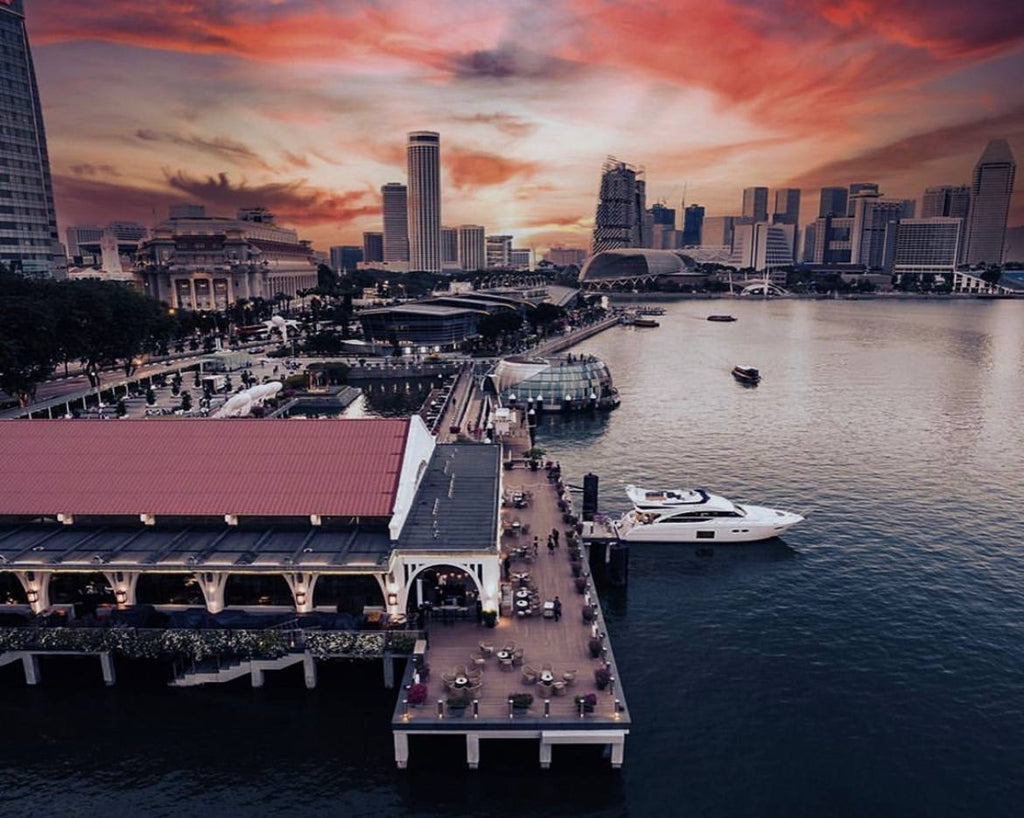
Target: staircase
{"x": 214, "y": 671}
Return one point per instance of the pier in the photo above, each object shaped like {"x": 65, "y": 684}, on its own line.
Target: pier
{"x": 583, "y": 702}
{"x": 577, "y": 336}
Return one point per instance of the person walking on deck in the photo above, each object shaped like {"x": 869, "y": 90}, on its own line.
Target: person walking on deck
{"x": 558, "y": 609}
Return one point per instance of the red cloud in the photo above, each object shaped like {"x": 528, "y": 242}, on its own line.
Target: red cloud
{"x": 476, "y": 169}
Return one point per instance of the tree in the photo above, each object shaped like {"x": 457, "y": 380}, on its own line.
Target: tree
{"x": 186, "y": 401}
{"x": 326, "y": 278}
{"x": 28, "y": 345}
{"x": 545, "y": 314}
{"x": 503, "y": 323}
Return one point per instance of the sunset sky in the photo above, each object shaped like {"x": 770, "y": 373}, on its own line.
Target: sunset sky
{"x": 303, "y": 105}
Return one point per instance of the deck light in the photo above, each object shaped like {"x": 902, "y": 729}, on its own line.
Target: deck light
{"x": 510, "y": 707}
{"x": 392, "y": 600}
{"x": 547, "y": 708}
{"x": 121, "y": 595}
{"x": 476, "y": 708}
{"x": 32, "y": 595}
{"x": 440, "y": 708}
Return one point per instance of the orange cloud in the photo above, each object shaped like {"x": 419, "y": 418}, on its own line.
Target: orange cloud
{"x": 476, "y": 169}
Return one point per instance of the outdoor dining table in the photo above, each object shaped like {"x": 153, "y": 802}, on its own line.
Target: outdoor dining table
{"x": 503, "y": 654}
{"x": 460, "y": 681}
{"x": 522, "y": 603}
{"x": 523, "y": 593}
{"x": 546, "y": 677}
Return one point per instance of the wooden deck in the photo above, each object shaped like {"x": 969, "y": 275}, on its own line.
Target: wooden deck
{"x": 561, "y": 644}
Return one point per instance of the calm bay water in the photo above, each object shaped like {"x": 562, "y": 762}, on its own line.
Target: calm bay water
{"x": 872, "y": 664}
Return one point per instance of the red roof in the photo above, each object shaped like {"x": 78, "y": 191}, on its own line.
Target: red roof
{"x": 198, "y": 466}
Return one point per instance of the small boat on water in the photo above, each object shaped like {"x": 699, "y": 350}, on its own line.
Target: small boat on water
{"x": 645, "y": 322}
{"x": 746, "y": 375}
{"x": 652, "y": 310}
{"x": 721, "y": 318}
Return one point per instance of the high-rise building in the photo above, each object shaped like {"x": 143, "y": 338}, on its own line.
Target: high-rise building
{"x": 564, "y": 256}
{"x": 345, "y": 257}
{"x": 29, "y": 243}
{"x": 871, "y": 217}
{"x": 763, "y": 246}
{"x": 832, "y": 202}
{"x": 373, "y": 247}
{"x": 755, "y": 204}
{"x": 991, "y": 190}
{"x": 946, "y": 200}
{"x": 828, "y": 240}
{"x": 917, "y": 247}
{"x": 472, "y": 247}
{"x": 663, "y": 215}
{"x": 621, "y": 207}
{"x": 787, "y": 206}
{"x": 519, "y": 258}
{"x": 394, "y": 204}
{"x": 424, "y": 157}
{"x": 499, "y": 250}
{"x": 84, "y": 242}
{"x": 857, "y": 189}
{"x": 449, "y": 246}
{"x": 693, "y": 223}
{"x": 717, "y": 231}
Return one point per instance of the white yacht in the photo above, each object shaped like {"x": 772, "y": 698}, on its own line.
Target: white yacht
{"x": 697, "y": 516}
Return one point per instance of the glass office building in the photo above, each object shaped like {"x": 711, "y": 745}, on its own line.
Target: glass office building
{"x": 28, "y": 224}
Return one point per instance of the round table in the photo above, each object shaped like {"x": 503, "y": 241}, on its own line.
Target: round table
{"x": 460, "y": 681}
{"x": 523, "y": 593}
{"x": 503, "y": 654}
{"x": 522, "y": 603}
{"x": 546, "y": 677}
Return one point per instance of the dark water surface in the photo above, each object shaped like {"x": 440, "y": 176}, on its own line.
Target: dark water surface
{"x": 873, "y": 664}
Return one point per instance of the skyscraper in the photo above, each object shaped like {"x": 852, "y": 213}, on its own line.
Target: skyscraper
{"x": 29, "y": 243}
{"x": 858, "y": 189}
{"x": 394, "y": 198}
{"x": 373, "y": 247}
{"x": 620, "y": 207}
{"x": 923, "y": 246}
{"x": 499, "y": 250}
{"x": 787, "y": 206}
{"x": 871, "y": 218}
{"x": 449, "y": 246}
{"x": 424, "y": 156}
{"x": 472, "y": 247}
{"x": 717, "y": 231}
{"x": 755, "y": 203}
{"x": 832, "y": 202}
{"x": 946, "y": 201}
{"x": 990, "y": 204}
{"x": 693, "y": 224}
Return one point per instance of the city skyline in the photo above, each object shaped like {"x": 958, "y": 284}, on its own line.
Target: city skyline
{"x": 305, "y": 107}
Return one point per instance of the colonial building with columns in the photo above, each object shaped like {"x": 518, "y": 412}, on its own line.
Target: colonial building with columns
{"x": 318, "y": 515}
{"x": 199, "y": 262}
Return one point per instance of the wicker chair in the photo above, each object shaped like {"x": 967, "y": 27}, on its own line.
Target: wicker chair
{"x": 569, "y": 677}
{"x": 529, "y": 675}
{"x": 486, "y": 649}
{"x": 558, "y": 688}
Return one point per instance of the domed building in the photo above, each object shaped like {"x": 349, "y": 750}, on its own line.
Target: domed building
{"x": 563, "y": 383}
{"x": 633, "y": 267}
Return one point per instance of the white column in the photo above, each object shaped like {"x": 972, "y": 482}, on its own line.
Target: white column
{"x": 309, "y": 670}
{"x": 37, "y": 589}
{"x": 545, "y": 755}
{"x": 472, "y": 750}
{"x": 212, "y": 584}
{"x": 107, "y": 664}
{"x": 302, "y": 586}
{"x": 618, "y": 751}
{"x": 491, "y": 584}
{"x": 401, "y": 749}
{"x": 123, "y": 583}
{"x": 30, "y": 663}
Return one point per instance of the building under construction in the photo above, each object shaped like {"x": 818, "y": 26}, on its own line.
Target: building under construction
{"x": 621, "y": 207}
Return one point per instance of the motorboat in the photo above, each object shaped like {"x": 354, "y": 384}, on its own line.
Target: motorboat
{"x": 696, "y": 515}
{"x": 747, "y": 375}
{"x": 721, "y": 318}
{"x": 645, "y": 322}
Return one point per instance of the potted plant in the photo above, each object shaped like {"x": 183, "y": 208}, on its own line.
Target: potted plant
{"x": 417, "y": 694}
{"x": 581, "y": 584}
{"x": 602, "y": 678}
{"x": 576, "y": 568}
{"x": 490, "y": 618}
{"x": 521, "y": 701}
{"x": 594, "y": 645}
{"x": 588, "y": 613}
{"x": 457, "y": 703}
{"x": 588, "y": 701}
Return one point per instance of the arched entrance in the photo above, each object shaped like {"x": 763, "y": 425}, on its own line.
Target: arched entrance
{"x": 169, "y": 589}
{"x": 441, "y": 586}
{"x": 348, "y": 593}
{"x": 88, "y": 591}
{"x": 257, "y": 589}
